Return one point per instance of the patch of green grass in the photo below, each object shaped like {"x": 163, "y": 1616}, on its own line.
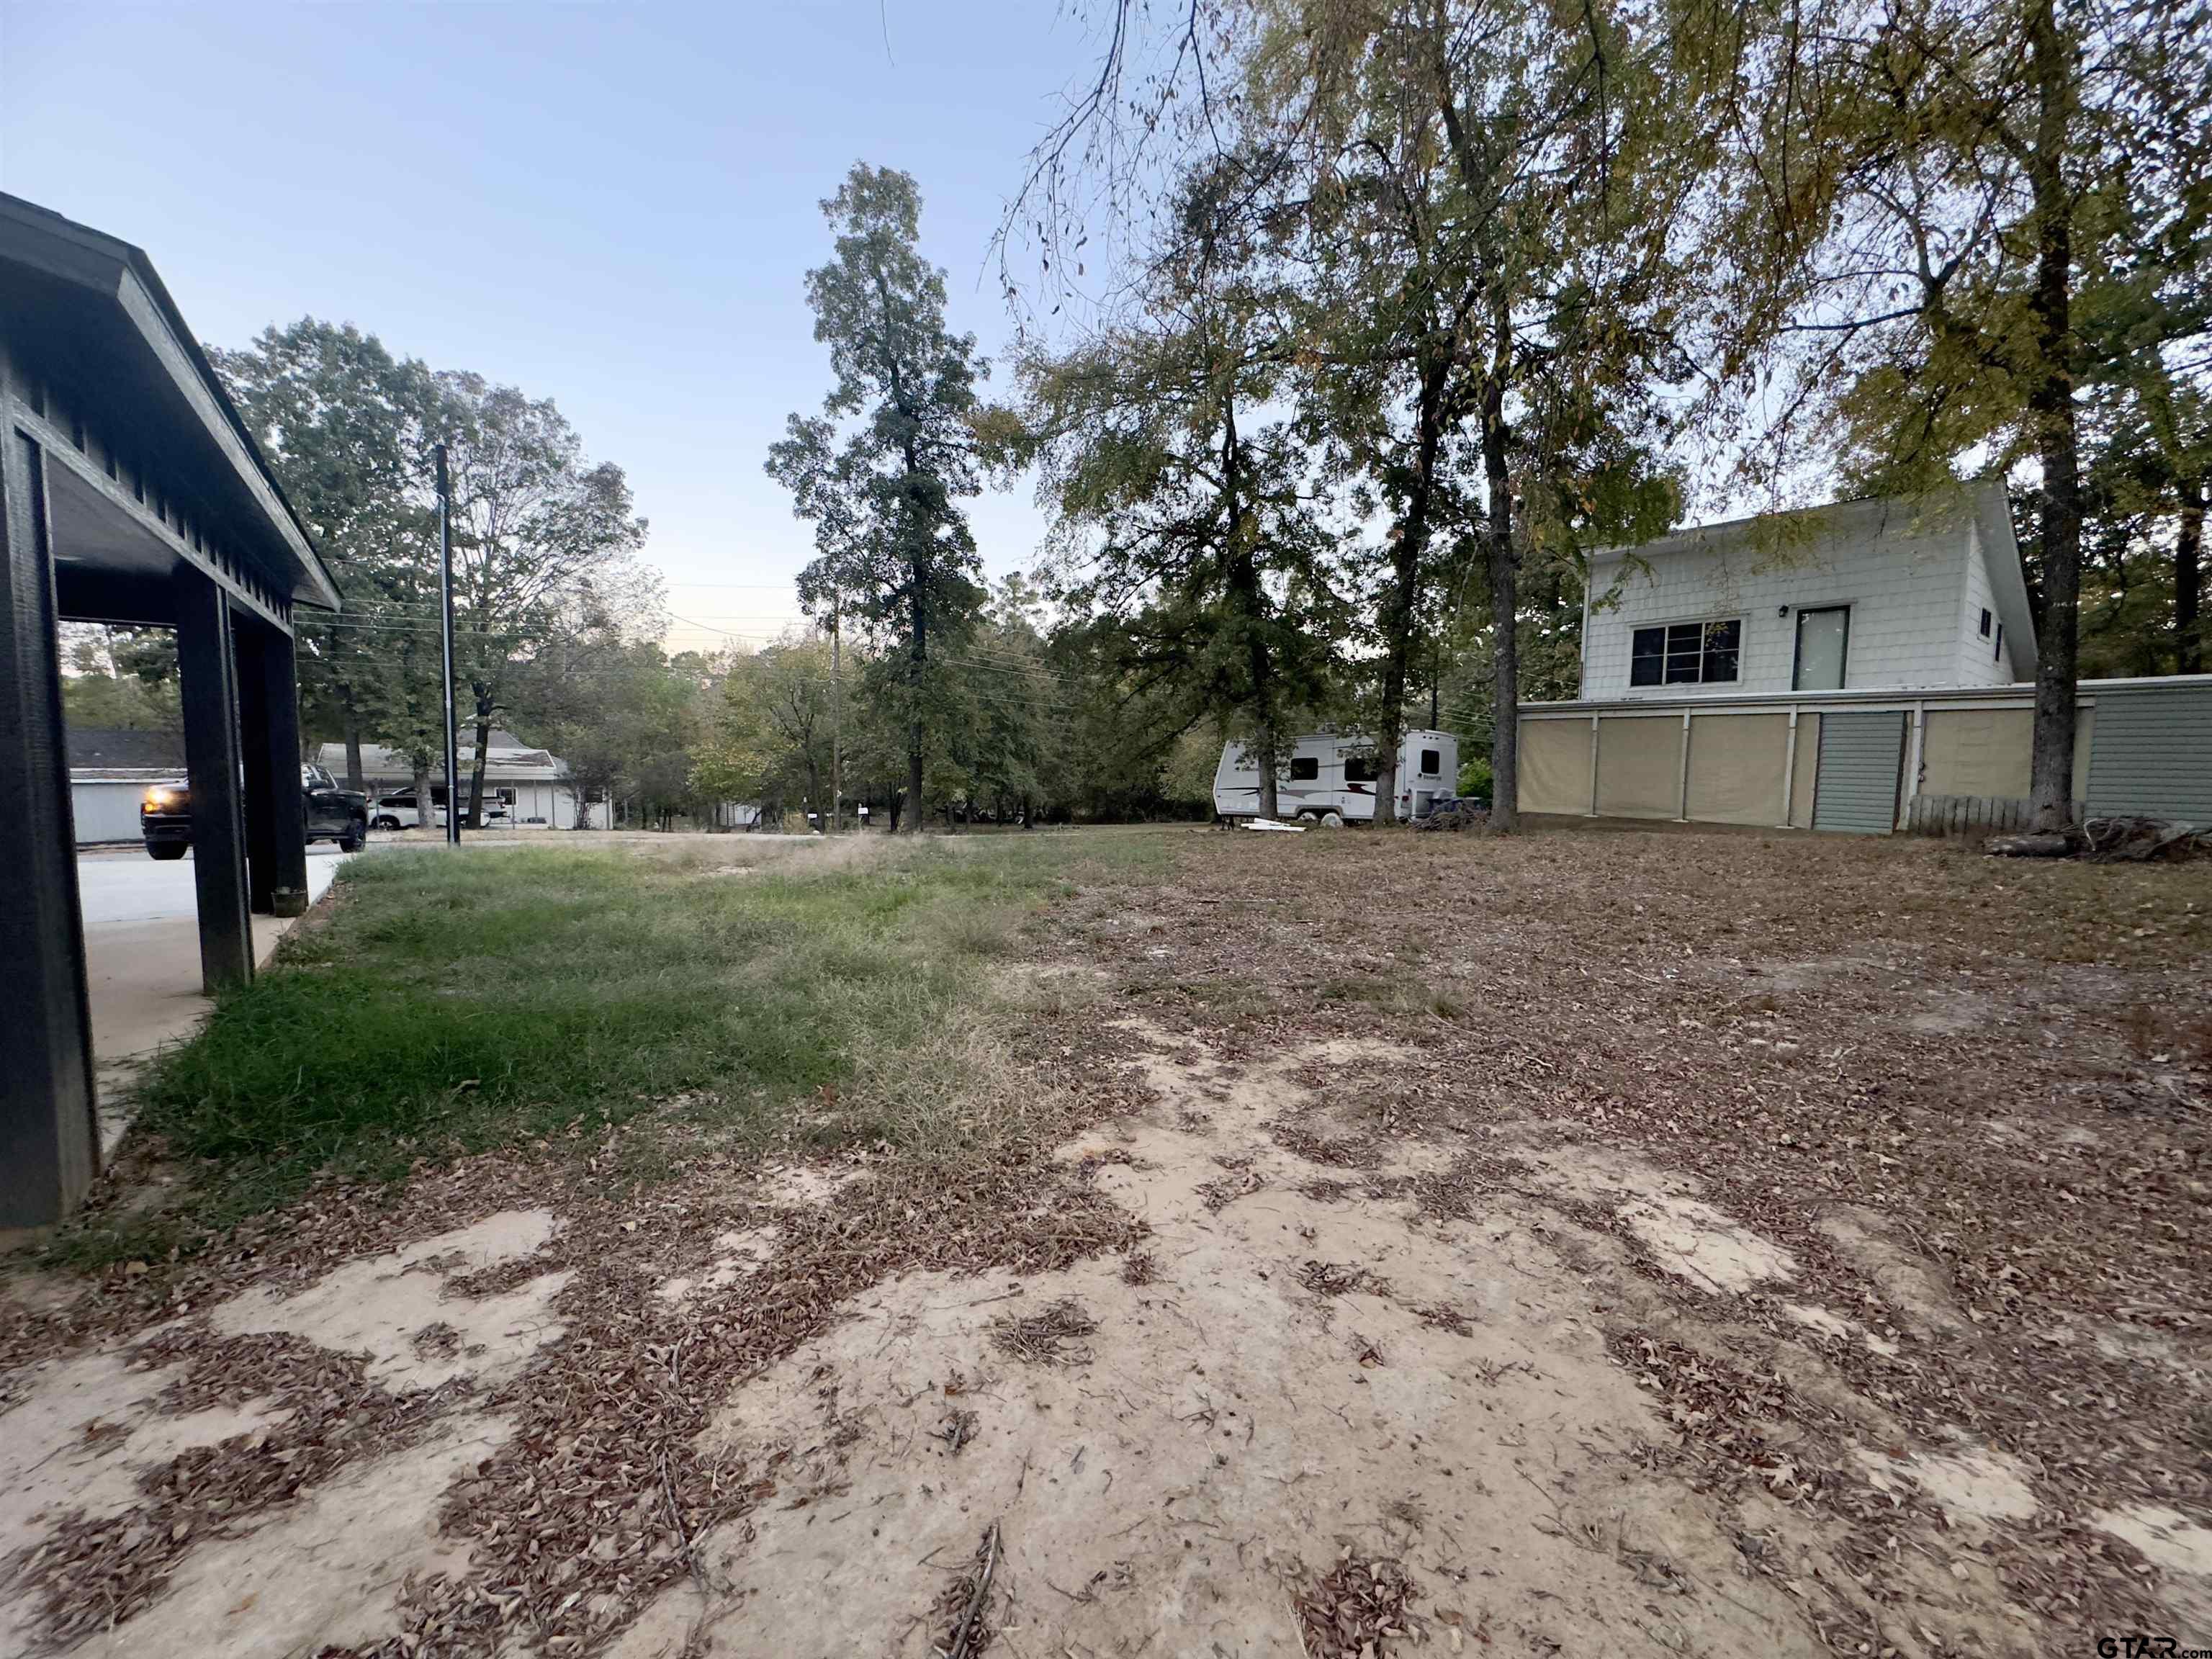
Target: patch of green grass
{"x": 457, "y": 1002}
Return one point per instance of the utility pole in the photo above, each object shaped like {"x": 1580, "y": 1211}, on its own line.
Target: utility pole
{"x": 836, "y": 715}
{"x": 445, "y": 616}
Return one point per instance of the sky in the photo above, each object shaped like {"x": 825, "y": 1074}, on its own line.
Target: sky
{"x": 612, "y": 205}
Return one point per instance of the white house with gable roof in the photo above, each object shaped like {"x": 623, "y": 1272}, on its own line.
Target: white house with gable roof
{"x": 1862, "y": 666}
{"x": 1863, "y": 594}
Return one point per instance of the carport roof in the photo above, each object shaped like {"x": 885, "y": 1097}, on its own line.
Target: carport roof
{"x": 86, "y": 314}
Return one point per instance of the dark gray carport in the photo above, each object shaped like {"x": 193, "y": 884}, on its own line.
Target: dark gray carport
{"x": 130, "y": 492}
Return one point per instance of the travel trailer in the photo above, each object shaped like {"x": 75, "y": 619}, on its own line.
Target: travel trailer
{"x": 1328, "y": 778}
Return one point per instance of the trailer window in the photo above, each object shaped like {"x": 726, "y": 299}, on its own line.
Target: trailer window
{"x": 1432, "y": 763}
{"x": 1304, "y": 768}
{"x": 1359, "y": 769}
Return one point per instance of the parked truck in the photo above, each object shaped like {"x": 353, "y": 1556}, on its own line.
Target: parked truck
{"x": 165, "y": 815}
{"x": 1329, "y": 778}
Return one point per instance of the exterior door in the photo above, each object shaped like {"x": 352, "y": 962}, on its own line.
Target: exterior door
{"x": 1824, "y": 638}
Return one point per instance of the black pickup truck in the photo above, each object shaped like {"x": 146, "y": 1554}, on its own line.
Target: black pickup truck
{"x": 165, "y": 816}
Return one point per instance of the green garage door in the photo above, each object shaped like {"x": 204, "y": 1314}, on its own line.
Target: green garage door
{"x": 1862, "y": 755}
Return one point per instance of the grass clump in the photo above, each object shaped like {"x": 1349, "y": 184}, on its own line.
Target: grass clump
{"x": 452, "y": 1003}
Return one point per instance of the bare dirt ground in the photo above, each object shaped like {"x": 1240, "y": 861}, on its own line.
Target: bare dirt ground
{"x": 1640, "y": 1243}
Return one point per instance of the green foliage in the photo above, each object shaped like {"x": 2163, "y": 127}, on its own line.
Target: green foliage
{"x": 346, "y": 428}
{"x": 769, "y": 740}
{"x": 120, "y": 679}
{"x": 880, "y": 471}
{"x": 1177, "y": 487}
{"x": 543, "y": 542}
{"x": 619, "y": 713}
{"x": 1953, "y": 219}
{"x": 545, "y": 546}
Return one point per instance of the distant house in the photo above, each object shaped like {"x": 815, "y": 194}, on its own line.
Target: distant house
{"x": 109, "y": 772}
{"x": 1864, "y": 667}
{"x": 535, "y": 786}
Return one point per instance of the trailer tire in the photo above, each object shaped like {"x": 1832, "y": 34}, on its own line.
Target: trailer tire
{"x": 1332, "y": 820}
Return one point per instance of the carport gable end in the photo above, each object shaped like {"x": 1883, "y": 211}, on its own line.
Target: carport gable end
{"x": 130, "y": 492}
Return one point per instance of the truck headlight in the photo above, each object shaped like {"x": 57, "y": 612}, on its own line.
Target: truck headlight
{"x": 157, "y": 797}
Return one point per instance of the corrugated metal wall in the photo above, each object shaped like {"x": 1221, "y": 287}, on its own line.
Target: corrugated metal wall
{"x": 1860, "y": 757}
{"x": 2152, "y": 753}
{"x": 105, "y": 811}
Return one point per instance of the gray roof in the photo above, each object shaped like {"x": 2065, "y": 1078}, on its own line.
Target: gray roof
{"x": 101, "y": 748}
{"x": 87, "y": 306}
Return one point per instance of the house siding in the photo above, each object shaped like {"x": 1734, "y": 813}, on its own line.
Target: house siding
{"x": 1980, "y": 661}
{"x": 2152, "y": 753}
{"x": 1908, "y": 571}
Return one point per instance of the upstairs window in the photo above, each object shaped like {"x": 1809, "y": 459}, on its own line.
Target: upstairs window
{"x": 1359, "y": 769}
{"x": 1985, "y": 624}
{"x": 1686, "y": 654}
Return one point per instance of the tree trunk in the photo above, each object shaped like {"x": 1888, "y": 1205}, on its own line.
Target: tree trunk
{"x": 2189, "y": 580}
{"x": 1402, "y": 601}
{"x": 425, "y": 812}
{"x": 2050, "y": 403}
{"x": 1505, "y": 590}
{"x": 485, "y": 709}
{"x": 1248, "y": 599}
{"x": 353, "y": 775}
{"x": 914, "y": 751}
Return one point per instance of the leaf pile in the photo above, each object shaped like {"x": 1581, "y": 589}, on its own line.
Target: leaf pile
{"x": 1339, "y": 1278}
{"x": 1356, "y": 1608}
{"x": 1053, "y": 1336}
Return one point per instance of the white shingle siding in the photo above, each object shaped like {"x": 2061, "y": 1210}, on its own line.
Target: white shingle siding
{"x": 1916, "y": 583}
{"x": 1979, "y": 660}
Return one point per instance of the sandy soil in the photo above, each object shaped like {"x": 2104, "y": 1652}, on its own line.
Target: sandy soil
{"x": 1610, "y": 1266}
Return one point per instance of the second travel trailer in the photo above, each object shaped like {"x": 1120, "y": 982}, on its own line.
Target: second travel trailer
{"x": 1329, "y": 778}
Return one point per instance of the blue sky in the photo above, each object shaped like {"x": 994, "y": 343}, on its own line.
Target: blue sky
{"x": 611, "y": 205}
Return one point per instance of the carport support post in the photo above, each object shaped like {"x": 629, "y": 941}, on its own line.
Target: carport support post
{"x": 269, "y": 730}
{"x": 208, "y": 678}
{"x": 258, "y": 768}
{"x": 49, "y": 1134}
